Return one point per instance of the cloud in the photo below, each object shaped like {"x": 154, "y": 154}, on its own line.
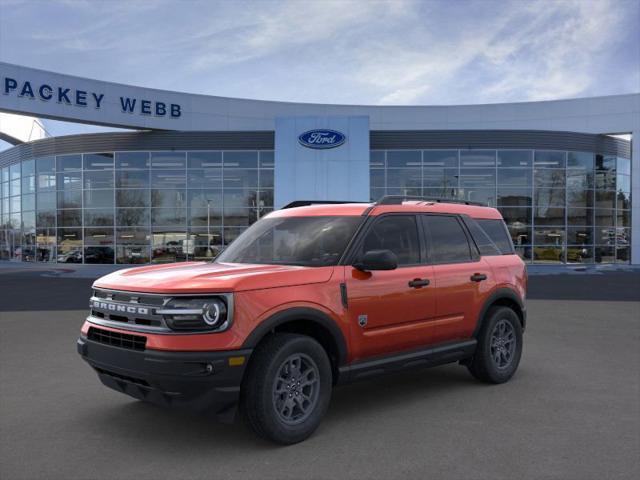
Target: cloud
{"x": 338, "y": 51}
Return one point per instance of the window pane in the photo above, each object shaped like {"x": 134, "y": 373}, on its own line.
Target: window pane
{"x": 266, "y": 179}
{"x": 579, "y": 216}
{"x": 515, "y": 158}
{"x": 238, "y": 198}
{"x": 404, "y": 158}
{"x": 98, "y": 161}
{"x": 447, "y": 241}
{"x": 98, "y": 179}
{"x": 545, "y": 197}
{"x": 605, "y": 163}
{"x": 477, "y": 158}
{"x": 168, "y": 198}
{"x": 69, "y": 162}
{"x": 43, "y": 165}
{"x": 376, "y": 159}
{"x": 549, "y": 159}
{"x": 133, "y": 236}
{"x": 580, "y": 254}
{"x": 440, "y": 159}
{"x": 440, "y": 177}
{"x": 206, "y": 178}
{"x": 132, "y": 254}
{"x": 28, "y": 168}
{"x": 132, "y": 178}
{"x": 397, "y": 233}
{"x": 98, "y": 217}
{"x": 579, "y": 198}
{"x": 169, "y": 217}
{"x": 514, "y": 176}
{"x": 168, "y": 160}
{"x": 70, "y": 218}
{"x": 514, "y": 196}
{"x": 29, "y": 202}
{"x": 70, "y": 199}
{"x": 138, "y": 160}
{"x": 605, "y": 217}
{"x": 580, "y": 235}
{"x": 513, "y": 215}
{"x": 99, "y": 255}
{"x": 579, "y": 178}
{"x": 477, "y": 177}
{"x": 485, "y": 196}
{"x": 549, "y": 236}
{"x": 404, "y": 178}
{"x": 240, "y": 159}
{"x": 605, "y": 199}
{"x": 46, "y": 218}
{"x": 549, "y": 178}
{"x": 624, "y": 218}
{"x": 266, "y": 159}
{"x": 583, "y": 160}
{"x": 98, "y": 199}
{"x": 132, "y": 217}
{"x": 132, "y": 198}
{"x": 239, "y": 178}
{"x": 623, "y": 166}
{"x": 605, "y": 235}
{"x": 204, "y": 159}
{"x": 549, "y": 216}
{"x": 168, "y": 179}
{"x": 98, "y": 236}
{"x": 70, "y": 180}
{"x": 548, "y": 254}
{"x": 46, "y": 181}
{"x": 605, "y": 254}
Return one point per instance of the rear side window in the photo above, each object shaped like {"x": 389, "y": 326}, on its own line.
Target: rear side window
{"x": 497, "y": 232}
{"x": 480, "y": 237}
{"x": 397, "y": 233}
{"x": 447, "y": 240}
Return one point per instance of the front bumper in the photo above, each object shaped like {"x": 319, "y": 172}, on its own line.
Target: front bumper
{"x": 193, "y": 380}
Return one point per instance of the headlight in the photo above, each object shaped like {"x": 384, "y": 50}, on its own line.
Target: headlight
{"x": 195, "y": 314}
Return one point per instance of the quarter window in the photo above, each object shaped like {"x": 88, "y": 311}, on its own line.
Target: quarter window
{"x": 397, "y": 233}
{"x": 448, "y": 241}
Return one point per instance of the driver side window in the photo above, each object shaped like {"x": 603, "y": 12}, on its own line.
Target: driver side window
{"x": 398, "y": 233}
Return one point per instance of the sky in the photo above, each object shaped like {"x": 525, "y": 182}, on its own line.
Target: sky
{"x": 395, "y": 52}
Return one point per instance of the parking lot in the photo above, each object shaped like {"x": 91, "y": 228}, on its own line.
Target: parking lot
{"x": 571, "y": 412}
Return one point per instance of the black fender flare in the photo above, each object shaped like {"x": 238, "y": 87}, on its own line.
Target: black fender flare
{"x": 496, "y": 296}
{"x": 295, "y": 314}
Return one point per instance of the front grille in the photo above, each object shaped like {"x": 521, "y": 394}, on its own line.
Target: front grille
{"x": 133, "y": 309}
{"x": 117, "y": 339}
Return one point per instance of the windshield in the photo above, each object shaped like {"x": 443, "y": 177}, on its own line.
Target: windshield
{"x": 304, "y": 241}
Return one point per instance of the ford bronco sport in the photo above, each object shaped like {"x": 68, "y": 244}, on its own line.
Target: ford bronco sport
{"x": 311, "y": 296}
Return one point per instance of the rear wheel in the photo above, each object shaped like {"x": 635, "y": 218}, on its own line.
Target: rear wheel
{"x": 287, "y": 389}
{"x": 499, "y": 346}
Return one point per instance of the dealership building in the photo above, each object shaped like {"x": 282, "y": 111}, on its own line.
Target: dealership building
{"x": 194, "y": 171}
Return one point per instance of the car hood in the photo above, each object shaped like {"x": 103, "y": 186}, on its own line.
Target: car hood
{"x": 205, "y": 277}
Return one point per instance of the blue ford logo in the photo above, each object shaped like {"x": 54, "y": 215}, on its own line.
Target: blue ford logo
{"x": 322, "y": 138}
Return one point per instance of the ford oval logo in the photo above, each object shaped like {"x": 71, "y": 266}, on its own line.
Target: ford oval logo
{"x": 322, "y": 138}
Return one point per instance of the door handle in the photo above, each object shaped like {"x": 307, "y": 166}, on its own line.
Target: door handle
{"x": 478, "y": 277}
{"x": 418, "y": 282}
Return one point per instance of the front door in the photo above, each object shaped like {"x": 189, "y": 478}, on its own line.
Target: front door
{"x": 390, "y": 310}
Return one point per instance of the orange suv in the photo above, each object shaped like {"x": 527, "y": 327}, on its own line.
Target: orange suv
{"x": 310, "y": 296}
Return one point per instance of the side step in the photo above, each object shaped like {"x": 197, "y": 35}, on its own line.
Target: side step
{"x": 426, "y": 357}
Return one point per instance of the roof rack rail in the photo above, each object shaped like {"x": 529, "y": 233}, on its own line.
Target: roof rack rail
{"x": 306, "y": 203}
{"x": 398, "y": 199}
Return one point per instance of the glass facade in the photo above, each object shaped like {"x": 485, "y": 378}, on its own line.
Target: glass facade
{"x": 165, "y": 206}
{"x": 131, "y": 207}
{"x": 560, "y": 207}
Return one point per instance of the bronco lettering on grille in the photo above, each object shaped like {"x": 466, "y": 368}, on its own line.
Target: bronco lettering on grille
{"x": 116, "y": 307}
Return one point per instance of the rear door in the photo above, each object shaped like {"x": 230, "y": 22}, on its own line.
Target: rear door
{"x": 389, "y": 311}
{"x": 461, "y": 277}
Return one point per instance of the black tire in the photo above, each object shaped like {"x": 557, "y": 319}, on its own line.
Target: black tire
{"x": 272, "y": 363}
{"x": 497, "y": 363}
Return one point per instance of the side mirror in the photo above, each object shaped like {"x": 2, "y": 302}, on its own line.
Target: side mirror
{"x": 377, "y": 260}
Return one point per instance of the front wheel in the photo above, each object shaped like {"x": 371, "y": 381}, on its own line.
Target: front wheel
{"x": 499, "y": 346}
{"x": 287, "y": 389}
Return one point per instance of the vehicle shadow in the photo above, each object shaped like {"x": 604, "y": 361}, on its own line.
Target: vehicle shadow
{"x": 152, "y": 426}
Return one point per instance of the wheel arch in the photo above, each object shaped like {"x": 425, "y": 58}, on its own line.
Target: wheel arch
{"x": 505, "y": 297}
{"x": 305, "y": 321}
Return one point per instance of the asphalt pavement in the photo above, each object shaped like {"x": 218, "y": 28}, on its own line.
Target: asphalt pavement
{"x": 571, "y": 412}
